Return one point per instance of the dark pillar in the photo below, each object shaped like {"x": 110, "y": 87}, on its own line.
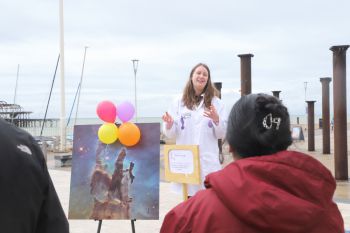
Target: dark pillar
{"x": 218, "y": 86}
{"x": 246, "y": 74}
{"x": 340, "y": 118}
{"x": 310, "y": 125}
{"x": 325, "y": 115}
{"x": 276, "y": 94}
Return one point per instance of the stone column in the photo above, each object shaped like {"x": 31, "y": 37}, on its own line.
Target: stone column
{"x": 340, "y": 114}
{"x": 326, "y": 140}
{"x": 246, "y": 74}
{"x": 310, "y": 125}
{"x": 276, "y": 94}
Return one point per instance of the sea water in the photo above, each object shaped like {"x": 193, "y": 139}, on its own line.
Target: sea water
{"x": 53, "y": 130}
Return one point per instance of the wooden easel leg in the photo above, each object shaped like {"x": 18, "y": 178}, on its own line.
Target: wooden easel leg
{"x": 185, "y": 191}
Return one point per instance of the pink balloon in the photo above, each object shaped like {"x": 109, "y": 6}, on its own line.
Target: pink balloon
{"x": 125, "y": 111}
{"x": 107, "y": 111}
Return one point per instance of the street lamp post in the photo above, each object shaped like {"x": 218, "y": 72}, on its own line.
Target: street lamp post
{"x": 135, "y": 64}
{"x": 305, "y": 88}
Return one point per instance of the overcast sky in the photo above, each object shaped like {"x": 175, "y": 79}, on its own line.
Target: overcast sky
{"x": 290, "y": 41}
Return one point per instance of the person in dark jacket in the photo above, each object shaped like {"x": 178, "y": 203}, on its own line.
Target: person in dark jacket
{"x": 28, "y": 200}
{"x": 267, "y": 188}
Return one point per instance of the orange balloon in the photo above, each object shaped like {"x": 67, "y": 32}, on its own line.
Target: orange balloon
{"x": 129, "y": 134}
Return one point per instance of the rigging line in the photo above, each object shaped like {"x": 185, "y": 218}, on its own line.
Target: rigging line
{"x": 48, "y": 101}
{"x": 71, "y": 110}
{"x": 81, "y": 83}
{"x": 14, "y": 98}
{"x": 77, "y": 93}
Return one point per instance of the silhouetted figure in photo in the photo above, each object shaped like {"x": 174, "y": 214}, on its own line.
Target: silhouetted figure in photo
{"x": 111, "y": 192}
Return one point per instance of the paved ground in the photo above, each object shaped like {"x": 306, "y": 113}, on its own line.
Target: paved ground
{"x": 168, "y": 199}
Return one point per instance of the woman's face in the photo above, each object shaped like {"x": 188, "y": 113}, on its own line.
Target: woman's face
{"x": 199, "y": 79}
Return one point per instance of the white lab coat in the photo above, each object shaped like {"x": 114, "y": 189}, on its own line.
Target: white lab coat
{"x": 192, "y": 128}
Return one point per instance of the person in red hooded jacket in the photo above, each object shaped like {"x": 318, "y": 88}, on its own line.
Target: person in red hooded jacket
{"x": 267, "y": 188}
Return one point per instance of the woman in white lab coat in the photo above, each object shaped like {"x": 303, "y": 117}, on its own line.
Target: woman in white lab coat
{"x": 198, "y": 118}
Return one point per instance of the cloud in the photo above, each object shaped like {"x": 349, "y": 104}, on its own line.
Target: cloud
{"x": 290, "y": 42}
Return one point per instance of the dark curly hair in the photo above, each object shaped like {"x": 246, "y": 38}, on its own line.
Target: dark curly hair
{"x": 258, "y": 125}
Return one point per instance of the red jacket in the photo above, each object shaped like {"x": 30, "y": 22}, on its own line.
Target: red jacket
{"x": 285, "y": 192}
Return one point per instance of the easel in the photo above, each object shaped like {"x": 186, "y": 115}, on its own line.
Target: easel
{"x": 184, "y": 191}
{"x": 99, "y": 226}
{"x": 181, "y": 165}
{"x": 132, "y": 225}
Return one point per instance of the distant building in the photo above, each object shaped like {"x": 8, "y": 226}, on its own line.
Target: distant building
{"x": 14, "y": 113}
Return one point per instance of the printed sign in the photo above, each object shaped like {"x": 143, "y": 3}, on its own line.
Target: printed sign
{"x": 297, "y": 133}
{"x": 182, "y": 164}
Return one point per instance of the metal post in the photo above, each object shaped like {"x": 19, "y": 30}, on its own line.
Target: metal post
{"x": 99, "y": 226}
{"x": 135, "y": 64}
{"x": 340, "y": 113}
{"x": 276, "y": 94}
{"x": 311, "y": 125}
{"x": 133, "y": 225}
{"x": 325, "y": 115}
{"x": 246, "y": 74}
{"x": 218, "y": 86}
{"x": 63, "y": 111}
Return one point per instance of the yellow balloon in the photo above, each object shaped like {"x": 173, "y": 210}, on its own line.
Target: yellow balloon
{"x": 129, "y": 134}
{"x": 108, "y": 133}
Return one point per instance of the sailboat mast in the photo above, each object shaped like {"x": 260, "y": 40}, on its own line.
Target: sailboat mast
{"x": 63, "y": 111}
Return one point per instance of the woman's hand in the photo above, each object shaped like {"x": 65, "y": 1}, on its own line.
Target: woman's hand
{"x": 169, "y": 121}
{"x": 212, "y": 114}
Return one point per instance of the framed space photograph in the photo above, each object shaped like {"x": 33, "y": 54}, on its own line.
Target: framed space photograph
{"x": 113, "y": 181}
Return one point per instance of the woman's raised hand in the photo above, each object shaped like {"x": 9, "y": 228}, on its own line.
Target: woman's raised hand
{"x": 169, "y": 121}
{"x": 212, "y": 114}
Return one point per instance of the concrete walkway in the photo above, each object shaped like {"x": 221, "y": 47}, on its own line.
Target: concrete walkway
{"x": 168, "y": 199}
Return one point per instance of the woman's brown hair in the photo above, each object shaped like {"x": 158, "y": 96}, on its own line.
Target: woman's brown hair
{"x": 189, "y": 97}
